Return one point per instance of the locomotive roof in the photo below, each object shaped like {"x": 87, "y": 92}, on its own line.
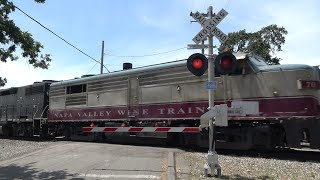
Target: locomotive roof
{"x": 30, "y": 85}
{"x": 139, "y": 70}
{"x": 134, "y": 71}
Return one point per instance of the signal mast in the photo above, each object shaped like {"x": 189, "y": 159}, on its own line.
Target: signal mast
{"x": 224, "y": 63}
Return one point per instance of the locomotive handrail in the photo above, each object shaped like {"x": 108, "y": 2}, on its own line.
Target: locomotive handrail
{"x": 35, "y": 112}
{"x": 43, "y": 111}
{"x": 34, "y": 116}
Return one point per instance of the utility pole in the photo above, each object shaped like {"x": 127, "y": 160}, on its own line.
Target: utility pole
{"x": 202, "y": 50}
{"x": 102, "y": 54}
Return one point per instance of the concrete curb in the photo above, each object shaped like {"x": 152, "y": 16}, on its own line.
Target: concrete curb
{"x": 171, "y": 171}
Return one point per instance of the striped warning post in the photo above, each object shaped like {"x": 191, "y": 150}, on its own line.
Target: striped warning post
{"x": 142, "y": 129}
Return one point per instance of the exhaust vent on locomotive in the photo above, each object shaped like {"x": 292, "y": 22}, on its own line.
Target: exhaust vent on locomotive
{"x": 127, "y": 66}
{"x": 87, "y": 75}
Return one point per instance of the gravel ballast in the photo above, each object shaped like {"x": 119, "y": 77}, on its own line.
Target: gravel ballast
{"x": 189, "y": 165}
{"x": 14, "y": 148}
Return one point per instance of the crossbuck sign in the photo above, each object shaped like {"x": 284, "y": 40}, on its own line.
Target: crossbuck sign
{"x": 209, "y": 26}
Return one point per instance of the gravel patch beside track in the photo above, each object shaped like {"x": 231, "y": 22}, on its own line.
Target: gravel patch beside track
{"x": 189, "y": 165}
{"x": 14, "y": 148}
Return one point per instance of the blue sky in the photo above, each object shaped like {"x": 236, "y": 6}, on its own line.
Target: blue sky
{"x": 139, "y": 27}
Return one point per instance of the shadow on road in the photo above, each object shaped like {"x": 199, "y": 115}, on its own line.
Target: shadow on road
{"x": 14, "y": 171}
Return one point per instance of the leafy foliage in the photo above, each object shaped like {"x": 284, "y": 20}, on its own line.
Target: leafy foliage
{"x": 11, "y": 37}
{"x": 265, "y": 42}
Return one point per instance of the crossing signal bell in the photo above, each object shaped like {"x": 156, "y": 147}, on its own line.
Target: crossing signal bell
{"x": 197, "y": 64}
{"x": 225, "y": 63}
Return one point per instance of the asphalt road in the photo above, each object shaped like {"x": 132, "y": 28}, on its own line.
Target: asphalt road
{"x": 81, "y": 160}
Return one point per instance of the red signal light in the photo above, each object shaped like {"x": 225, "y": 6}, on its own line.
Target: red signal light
{"x": 226, "y": 62}
{"x": 91, "y": 125}
{"x": 197, "y": 63}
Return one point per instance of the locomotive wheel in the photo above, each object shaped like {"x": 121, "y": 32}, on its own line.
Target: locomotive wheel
{"x": 67, "y": 133}
{"x": 4, "y": 130}
{"x": 44, "y": 131}
{"x": 7, "y": 130}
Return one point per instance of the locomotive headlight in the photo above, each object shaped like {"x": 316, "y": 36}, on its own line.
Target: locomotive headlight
{"x": 275, "y": 93}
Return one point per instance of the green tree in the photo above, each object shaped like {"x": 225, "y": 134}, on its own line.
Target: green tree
{"x": 265, "y": 42}
{"x": 11, "y": 37}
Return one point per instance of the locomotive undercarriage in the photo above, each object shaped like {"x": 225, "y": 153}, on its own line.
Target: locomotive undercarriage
{"x": 266, "y": 135}
{"x": 238, "y": 135}
{"x": 245, "y": 136}
{"x": 18, "y": 129}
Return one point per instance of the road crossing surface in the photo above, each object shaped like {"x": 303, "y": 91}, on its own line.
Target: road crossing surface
{"x": 82, "y": 160}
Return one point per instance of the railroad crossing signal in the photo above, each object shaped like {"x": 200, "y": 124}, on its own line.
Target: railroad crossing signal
{"x": 209, "y": 29}
{"x": 225, "y": 63}
{"x": 197, "y": 64}
{"x": 209, "y": 26}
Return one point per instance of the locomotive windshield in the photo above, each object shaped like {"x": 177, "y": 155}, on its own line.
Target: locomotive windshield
{"x": 258, "y": 61}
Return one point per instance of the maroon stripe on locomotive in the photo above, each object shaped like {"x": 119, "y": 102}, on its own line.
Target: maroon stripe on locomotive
{"x": 268, "y": 107}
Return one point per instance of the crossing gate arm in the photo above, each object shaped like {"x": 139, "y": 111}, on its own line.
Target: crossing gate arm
{"x": 142, "y": 129}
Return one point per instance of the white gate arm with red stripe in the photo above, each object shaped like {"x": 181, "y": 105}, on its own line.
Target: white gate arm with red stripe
{"x": 142, "y": 129}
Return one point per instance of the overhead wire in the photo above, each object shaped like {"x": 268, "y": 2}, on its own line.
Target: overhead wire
{"x": 112, "y": 55}
{"x": 129, "y": 58}
{"x": 92, "y": 68}
{"x": 146, "y": 55}
{"x": 60, "y": 37}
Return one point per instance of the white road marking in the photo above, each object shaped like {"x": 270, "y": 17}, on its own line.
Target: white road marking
{"x": 106, "y": 176}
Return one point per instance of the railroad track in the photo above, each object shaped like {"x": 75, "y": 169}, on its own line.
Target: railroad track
{"x": 281, "y": 154}
{"x": 301, "y": 155}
